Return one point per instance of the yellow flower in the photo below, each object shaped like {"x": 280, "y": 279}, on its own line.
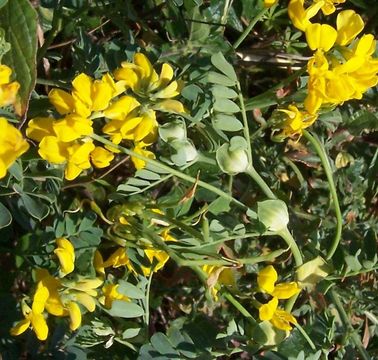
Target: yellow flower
{"x": 12, "y": 145}
{"x": 140, "y": 149}
{"x": 270, "y": 3}
{"x": 34, "y": 316}
{"x": 320, "y": 36}
{"x": 78, "y": 159}
{"x": 295, "y": 122}
{"x": 300, "y": 16}
{"x": 280, "y": 319}
{"x": 66, "y": 254}
{"x": 72, "y": 127}
{"x": 221, "y": 275}
{"x": 266, "y": 280}
{"x": 117, "y": 259}
{"x": 328, "y": 6}
{"x": 110, "y": 294}
{"x": 143, "y": 80}
{"x": 135, "y": 127}
{"x": 54, "y": 304}
{"x": 87, "y": 96}
{"x": 101, "y": 157}
{"x": 8, "y": 90}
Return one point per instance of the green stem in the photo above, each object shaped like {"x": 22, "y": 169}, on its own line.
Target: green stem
{"x": 345, "y": 320}
{"x": 240, "y": 307}
{"x": 249, "y": 28}
{"x": 245, "y": 124}
{"x": 203, "y": 276}
{"x": 304, "y": 334}
{"x": 147, "y": 305}
{"x": 172, "y": 171}
{"x": 260, "y": 182}
{"x": 55, "y": 25}
{"x": 314, "y": 140}
{"x": 285, "y": 235}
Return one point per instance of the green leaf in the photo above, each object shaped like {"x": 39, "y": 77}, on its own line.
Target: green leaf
{"x": 226, "y": 106}
{"x": 130, "y": 290}
{"x": 125, "y": 309}
{"x": 19, "y": 19}
{"x": 227, "y": 123}
{"x": 223, "y": 92}
{"x": 5, "y": 216}
{"x": 3, "y": 3}
{"x": 219, "y": 205}
{"x": 222, "y": 65}
{"x": 220, "y": 79}
{"x": 36, "y": 209}
{"x": 161, "y": 343}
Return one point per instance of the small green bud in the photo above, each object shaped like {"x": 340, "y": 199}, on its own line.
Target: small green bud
{"x": 232, "y": 158}
{"x": 174, "y": 130}
{"x": 273, "y": 214}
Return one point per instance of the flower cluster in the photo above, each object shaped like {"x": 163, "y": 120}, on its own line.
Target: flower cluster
{"x": 58, "y": 296}
{"x": 12, "y": 144}
{"x": 342, "y": 67}
{"x": 266, "y": 280}
{"x": 126, "y": 100}
{"x": 70, "y": 295}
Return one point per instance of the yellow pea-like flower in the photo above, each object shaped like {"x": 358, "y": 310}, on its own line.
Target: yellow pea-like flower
{"x": 12, "y": 145}
{"x": 66, "y": 254}
{"x": 101, "y": 157}
{"x": 34, "y": 316}
{"x": 300, "y": 16}
{"x": 8, "y": 90}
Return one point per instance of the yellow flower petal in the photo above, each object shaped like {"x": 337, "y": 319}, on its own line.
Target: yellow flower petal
{"x": 40, "y": 127}
{"x": 282, "y": 319}
{"x": 121, "y": 108}
{"x": 139, "y": 163}
{"x": 301, "y": 16}
{"x": 66, "y": 255}
{"x": 8, "y": 93}
{"x": 75, "y": 315}
{"x": 20, "y": 327}
{"x": 149, "y": 74}
{"x": 101, "y": 157}
{"x": 320, "y": 36}
{"x": 39, "y": 326}
{"x": 62, "y": 101}
{"x": 171, "y": 106}
{"x": 98, "y": 263}
{"x": 102, "y": 93}
{"x": 86, "y": 300}
{"x": 82, "y": 89}
{"x": 72, "y": 127}
{"x": 267, "y": 278}
{"x": 40, "y": 297}
{"x": 349, "y": 25}
{"x": 285, "y": 290}
{"x": 5, "y": 74}
{"x": 267, "y": 311}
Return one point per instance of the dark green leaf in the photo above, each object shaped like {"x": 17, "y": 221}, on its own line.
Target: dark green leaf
{"x": 5, "y": 216}
{"x": 19, "y": 19}
{"x": 223, "y": 66}
{"x": 125, "y": 309}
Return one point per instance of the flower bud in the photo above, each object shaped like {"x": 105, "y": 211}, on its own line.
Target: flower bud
{"x": 233, "y": 158}
{"x": 273, "y": 214}
{"x": 174, "y": 130}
